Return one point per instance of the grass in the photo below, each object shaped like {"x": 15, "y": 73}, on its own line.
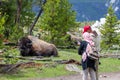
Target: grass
{"x": 59, "y": 70}
{"x": 107, "y": 65}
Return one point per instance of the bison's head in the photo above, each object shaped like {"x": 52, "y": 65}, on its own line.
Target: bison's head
{"x": 25, "y": 45}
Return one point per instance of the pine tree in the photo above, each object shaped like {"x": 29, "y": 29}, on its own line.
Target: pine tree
{"x": 57, "y": 19}
{"x": 109, "y": 36}
{"x": 14, "y": 17}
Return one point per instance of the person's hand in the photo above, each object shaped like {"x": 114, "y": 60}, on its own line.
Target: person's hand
{"x": 95, "y": 33}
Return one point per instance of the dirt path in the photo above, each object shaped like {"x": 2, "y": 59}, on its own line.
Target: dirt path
{"x": 110, "y": 76}
{"x": 103, "y": 76}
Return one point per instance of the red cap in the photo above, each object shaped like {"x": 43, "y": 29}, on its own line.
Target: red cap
{"x": 86, "y": 28}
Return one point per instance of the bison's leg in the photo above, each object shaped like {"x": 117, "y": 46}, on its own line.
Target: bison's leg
{"x": 23, "y": 54}
{"x": 36, "y": 53}
{"x": 46, "y": 54}
{"x": 50, "y": 52}
{"x": 24, "y": 51}
{"x": 54, "y": 51}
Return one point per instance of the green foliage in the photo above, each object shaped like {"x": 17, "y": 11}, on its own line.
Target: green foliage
{"x": 2, "y": 21}
{"x": 8, "y": 14}
{"x": 10, "y": 56}
{"x": 108, "y": 30}
{"x": 118, "y": 37}
{"x": 16, "y": 34}
{"x": 27, "y": 15}
{"x": 57, "y": 19}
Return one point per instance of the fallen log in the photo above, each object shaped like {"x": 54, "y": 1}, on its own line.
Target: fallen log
{"x": 31, "y": 65}
{"x": 110, "y": 56}
{"x": 28, "y": 58}
{"x": 9, "y": 43}
{"x": 71, "y": 61}
{"x": 6, "y": 68}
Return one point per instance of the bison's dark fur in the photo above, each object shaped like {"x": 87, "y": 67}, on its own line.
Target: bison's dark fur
{"x": 32, "y": 46}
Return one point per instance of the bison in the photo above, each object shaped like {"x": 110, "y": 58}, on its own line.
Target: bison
{"x": 32, "y": 46}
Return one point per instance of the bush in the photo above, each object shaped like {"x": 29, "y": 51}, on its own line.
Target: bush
{"x": 11, "y": 56}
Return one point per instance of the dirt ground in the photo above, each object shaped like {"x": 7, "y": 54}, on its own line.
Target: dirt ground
{"x": 78, "y": 76}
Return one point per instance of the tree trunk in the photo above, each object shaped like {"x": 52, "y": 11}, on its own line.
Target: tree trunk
{"x": 19, "y": 7}
{"x": 36, "y": 19}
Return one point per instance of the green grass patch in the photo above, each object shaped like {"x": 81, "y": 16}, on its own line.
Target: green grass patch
{"x": 67, "y": 54}
{"x": 109, "y": 65}
{"x": 54, "y": 70}
{"x": 25, "y": 74}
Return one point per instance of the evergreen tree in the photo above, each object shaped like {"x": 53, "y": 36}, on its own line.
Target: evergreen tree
{"x": 108, "y": 30}
{"x": 56, "y": 20}
{"x": 13, "y": 17}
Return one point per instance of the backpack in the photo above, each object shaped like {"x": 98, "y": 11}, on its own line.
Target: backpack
{"x": 82, "y": 47}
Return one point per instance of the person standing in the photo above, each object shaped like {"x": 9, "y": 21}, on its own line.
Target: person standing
{"x": 88, "y": 65}
{"x": 96, "y": 39}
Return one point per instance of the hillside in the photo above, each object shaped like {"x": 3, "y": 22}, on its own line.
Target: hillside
{"x": 89, "y": 10}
